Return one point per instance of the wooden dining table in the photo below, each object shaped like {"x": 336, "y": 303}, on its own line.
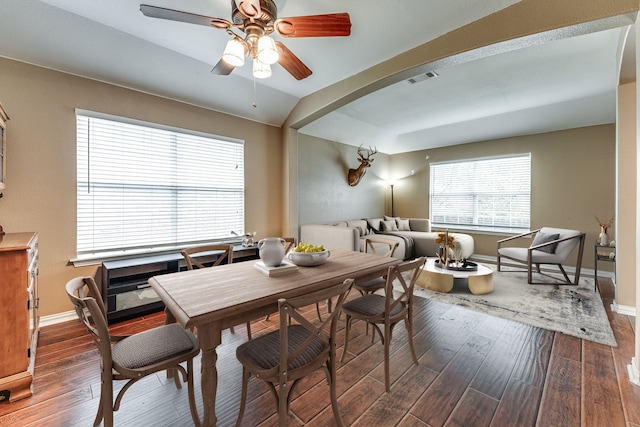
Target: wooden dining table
{"x": 213, "y": 299}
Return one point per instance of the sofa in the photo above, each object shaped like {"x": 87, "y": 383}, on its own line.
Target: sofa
{"x": 414, "y": 235}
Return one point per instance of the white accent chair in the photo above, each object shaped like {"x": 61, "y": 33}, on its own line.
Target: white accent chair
{"x": 550, "y": 246}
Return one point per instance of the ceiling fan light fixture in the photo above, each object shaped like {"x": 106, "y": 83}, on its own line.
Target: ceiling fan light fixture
{"x": 260, "y": 69}
{"x": 267, "y": 52}
{"x": 257, "y": 19}
{"x": 234, "y": 53}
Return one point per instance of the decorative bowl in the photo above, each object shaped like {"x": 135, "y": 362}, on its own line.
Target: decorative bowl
{"x": 308, "y": 259}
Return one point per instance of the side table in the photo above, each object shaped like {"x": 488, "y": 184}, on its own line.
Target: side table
{"x": 602, "y": 253}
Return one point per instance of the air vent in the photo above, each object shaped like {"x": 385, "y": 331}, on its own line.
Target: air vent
{"x": 423, "y": 77}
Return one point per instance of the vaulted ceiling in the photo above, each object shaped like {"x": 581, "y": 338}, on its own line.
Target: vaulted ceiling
{"x": 557, "y": 85}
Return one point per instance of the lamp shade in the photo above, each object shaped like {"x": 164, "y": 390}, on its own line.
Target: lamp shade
{"x": 267, "y": 52}
{"x": 260, "y": 69}
{"x": 234, "y": 53}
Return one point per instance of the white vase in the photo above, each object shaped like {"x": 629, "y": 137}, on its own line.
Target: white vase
{"x": 271, "y": 251}
{"x": 604, "y": 237}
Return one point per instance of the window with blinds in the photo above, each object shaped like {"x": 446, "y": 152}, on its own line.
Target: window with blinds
{"x": 492, "y": 194}
{"x": 144, "y": 187}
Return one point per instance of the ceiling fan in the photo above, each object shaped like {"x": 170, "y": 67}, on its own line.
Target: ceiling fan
{"x": 257, "y": 19}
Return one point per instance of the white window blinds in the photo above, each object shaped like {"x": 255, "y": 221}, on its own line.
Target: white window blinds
{"x": 489, "y": 194}
{"x": 143, "y": 188}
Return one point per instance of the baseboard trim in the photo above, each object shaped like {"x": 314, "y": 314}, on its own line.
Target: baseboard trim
{"x": 634, "y": 375}
{"x": 54, "y": 319}
{"x": 623, "y": 309}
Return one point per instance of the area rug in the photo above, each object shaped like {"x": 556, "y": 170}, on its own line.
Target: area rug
{"x": 572, "y": 310}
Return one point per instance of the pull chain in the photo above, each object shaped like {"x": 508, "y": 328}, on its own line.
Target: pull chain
{"x": 254, "y": 92}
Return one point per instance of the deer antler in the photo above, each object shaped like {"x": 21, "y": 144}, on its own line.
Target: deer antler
{"x": 370, "y": 153}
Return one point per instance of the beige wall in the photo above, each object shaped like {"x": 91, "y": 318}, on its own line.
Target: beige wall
{"x": 626, "y": 197}
{"x": 324, "y": 194}
{"x": 41, "y": 174}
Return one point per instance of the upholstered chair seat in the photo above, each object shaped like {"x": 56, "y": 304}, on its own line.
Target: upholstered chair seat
{"x": 153, "y": 346}
{"x": 264, "y": 353}
{"x": 550, "y": 246}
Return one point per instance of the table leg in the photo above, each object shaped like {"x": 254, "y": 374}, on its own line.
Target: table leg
{"x": 209, "y": 337}
{"x": 169, "y": 318}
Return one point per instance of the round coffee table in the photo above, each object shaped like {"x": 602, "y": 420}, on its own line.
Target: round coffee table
{"x": 441, "y": 279}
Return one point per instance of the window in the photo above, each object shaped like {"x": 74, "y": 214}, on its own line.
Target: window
{"x": 144, "y": 187}
{"x": 492, "y": 194}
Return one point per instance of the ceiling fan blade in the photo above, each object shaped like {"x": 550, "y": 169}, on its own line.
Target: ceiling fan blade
{"x": 331, "y": 25}
{"x": 292, "y": 63}
{"x": 177, "y": 15}
{"x": 222, "y": 68}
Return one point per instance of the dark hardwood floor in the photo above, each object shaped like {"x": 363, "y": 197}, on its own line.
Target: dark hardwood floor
{"x": 475, "y": 370}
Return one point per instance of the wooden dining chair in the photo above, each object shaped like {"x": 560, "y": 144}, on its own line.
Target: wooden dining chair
{"x": 196, "y": 257}
{"x": 281, "y": 358}
{"x": 135, "y": 356}
{"x": 379, "y": 246}
{"x": 383, "y": 312}
{"x": 290, "y": 243}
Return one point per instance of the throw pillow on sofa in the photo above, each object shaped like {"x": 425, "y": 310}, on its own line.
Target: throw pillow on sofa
{"x": 389, "y": 225}
{"x": 374, "y": 223}
{"x": 403, "y": 224}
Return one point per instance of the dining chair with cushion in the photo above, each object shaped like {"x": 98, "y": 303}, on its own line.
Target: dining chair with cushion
{"x": 281, "y": 358}
{"x": 202, "y": 257}
{"x": 383, "y": 312}
{"x": 135, "y": 356}
{"x": 378, "y": 246}
{"x": 549, "y": 246}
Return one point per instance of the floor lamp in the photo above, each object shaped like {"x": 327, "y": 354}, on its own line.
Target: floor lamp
{"x": 392, "y": 182}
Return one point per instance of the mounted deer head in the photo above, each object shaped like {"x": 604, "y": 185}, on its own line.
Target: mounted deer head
{"x": 355, "y": 175}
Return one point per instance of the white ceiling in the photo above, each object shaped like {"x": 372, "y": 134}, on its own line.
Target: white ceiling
{"x": 563, "y": 84}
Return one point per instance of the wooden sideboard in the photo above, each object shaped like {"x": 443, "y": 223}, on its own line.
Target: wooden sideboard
{"x": 18, "y": 313}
